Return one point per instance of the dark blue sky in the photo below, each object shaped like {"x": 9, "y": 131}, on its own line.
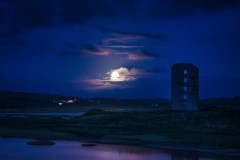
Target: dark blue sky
{"x": 72, "y": 47}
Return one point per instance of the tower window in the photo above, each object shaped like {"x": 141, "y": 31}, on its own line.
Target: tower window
{"x": 185, "y": 88}
{"x": 185, "y": 97}
{"x": 185, "y": 71}
{"x": 185, "y": 80}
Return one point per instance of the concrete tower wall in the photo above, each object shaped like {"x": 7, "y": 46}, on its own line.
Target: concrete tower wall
{"x": 185, "y": 86}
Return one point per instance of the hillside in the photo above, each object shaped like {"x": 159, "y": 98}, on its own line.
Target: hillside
{"x": 18, "y": 101}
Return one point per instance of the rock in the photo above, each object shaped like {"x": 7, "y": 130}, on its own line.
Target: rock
{"x": 41, "y": 143}
{"x": 88, "y": 145}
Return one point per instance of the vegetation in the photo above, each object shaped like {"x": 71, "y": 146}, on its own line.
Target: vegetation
{"x": 215, "y": 128}
{"x": 32, "y": 102}
{"x": 143, "y": 121}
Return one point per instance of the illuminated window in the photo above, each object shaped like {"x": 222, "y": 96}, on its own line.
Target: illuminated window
{"x": 185, "y": 97}
{"x": 185, "y": 88}
{"x": 185, "y": 80}
{"x": 185, "y": 71}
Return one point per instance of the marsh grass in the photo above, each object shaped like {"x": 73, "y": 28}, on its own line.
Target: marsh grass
{"x": 214, "y": 129}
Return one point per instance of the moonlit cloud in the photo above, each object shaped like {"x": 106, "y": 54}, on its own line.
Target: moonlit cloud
{"x": 109, "y": 47}
{"x": 87, "y": 49}
{"x": 124, "y": 75}
{"x": 99, "y": 84}
{"x": 109, "y": 83}
{"x": 141, "y": 55}
{"x": 92, "y": 49}
{"x": 96, "y": 50}
{"x": 119, "y": 38}
{"x": 135, "y": 71}
{"x": 132, "y": 35}
{"x": 131, "y": 74}
{"x": 122, "y": 46}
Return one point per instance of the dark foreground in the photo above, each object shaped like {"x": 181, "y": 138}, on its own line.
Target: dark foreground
{"x": 215, "y": 131}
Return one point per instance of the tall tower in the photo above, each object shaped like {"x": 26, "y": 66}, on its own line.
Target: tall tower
{"x": 185, "y": 86}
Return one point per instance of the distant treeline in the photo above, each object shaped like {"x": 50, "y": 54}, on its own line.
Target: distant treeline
{"x": 19, "y": 99}
{"x": 34, "y": 100}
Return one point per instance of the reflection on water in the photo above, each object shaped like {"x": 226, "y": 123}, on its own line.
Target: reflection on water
{"x": 17, "y": 149}
{"x": 16, "y": 114}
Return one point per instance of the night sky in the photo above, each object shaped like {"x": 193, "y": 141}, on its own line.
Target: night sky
{"x": 71, "y": 47}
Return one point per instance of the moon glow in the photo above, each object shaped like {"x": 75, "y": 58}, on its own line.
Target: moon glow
{"x": 115, "y": 75}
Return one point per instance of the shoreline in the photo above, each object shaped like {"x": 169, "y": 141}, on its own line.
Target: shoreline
{"x": 233, "y": 153}
{"x": 171, "y": 147}
{"x": 214, "y": 132}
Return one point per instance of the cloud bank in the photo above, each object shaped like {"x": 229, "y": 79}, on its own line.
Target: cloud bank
{"x": 17, "y": 16}
{"x": 121, "y": 82}
{"x": 92, "y": 49}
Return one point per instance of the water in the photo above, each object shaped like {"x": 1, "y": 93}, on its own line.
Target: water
{"x": 22, "y": 114}
{"x": 17, "y": 149}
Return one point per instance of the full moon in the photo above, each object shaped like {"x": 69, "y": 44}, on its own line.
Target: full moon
{"x": 115, "y": 75}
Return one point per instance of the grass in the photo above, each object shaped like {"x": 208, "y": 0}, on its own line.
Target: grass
{"x": 209, "y": 129}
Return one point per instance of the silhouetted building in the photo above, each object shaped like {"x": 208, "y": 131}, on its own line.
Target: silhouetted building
{"x": 185, "y": 86}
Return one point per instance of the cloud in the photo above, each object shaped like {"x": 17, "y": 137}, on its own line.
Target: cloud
{"x": 18, "y": 16}
{"x": 118, "y": 38}
{"x": 92, "y": 49}
{"x": 131, "y": 74}
{"x": 124, "y": 75}
{"x": 122, "y": 46}
{"x": 109, "y": 82}
{"x": 105, "y": 51}
{"x": 172, "y": 9}
{"x": 69, "y": 45}
{"x": 98, "y": 84}
{"x": 155, "y": 70}
{"x": 141, "y": 55}
{"x": 87, "y": 49}
{"x": 135, "y": 71}
{"x": 26, "y": 14}
{"x": 141, "y": 72}
{"x": 176, "y": 8}
{"x": 96, "y": 50}
{"x": 121, "y": 82}
{"x": 126, "y": 37}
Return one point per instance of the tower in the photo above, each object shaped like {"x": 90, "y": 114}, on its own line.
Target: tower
{"x": 184, "y": 86}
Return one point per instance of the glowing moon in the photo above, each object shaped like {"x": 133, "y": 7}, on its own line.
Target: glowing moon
{"x": 115, "y": 75}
